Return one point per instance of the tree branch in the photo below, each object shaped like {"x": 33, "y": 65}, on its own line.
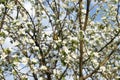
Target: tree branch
{"x": 87, "y": 14}
{"x": 2, "y": 22}
{"x": 101, "y": 64}
{"x": 81, "y": 42}
{"x": 63, "y": 72}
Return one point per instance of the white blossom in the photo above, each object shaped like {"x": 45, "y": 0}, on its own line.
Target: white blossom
{"x": 74, "y": 55}
{"x": 117, "y": 63}
{"x": 34, "y": 60}
{"x": 117, "y": 77}
{"x": 1, "y": 6}
{"x": 64, "y": 41}
{"x": 22, "y": 31}
{"x": 25, "y": 60}
{"x": 84, "y": 10}
{"x": 92, "y": 23}
{"x": 56, "y": 71}
{"x": 36, "y": 48}
{"x": 74, "y": 0}
{"x": 103, "y": 18}
{"x": 3, "y": 55}
{"x": 16, "y": 43}
{"x": 102, "y": 68}
{"x": 68, "y": 59}
{"x": 54, "y": 46}
{"x": 31, "y": 41}
{"x": 73, "y": 38}
{"x": 66, "y": 49}
{"x": 2, "y": 40}
{"x": 96, "y": 54}
{"x": 59, "y": 40}
{"x": 115, "y": 68}
{"x": 24, "y": 76}
{"x": 65, "y": 6}
{"x": 43, "y": 68}
{"x": 41, "y": 78}
{"x": 16, "y": 63}
{"x": 95, "y": 62}
{"x": 14, "y": 56}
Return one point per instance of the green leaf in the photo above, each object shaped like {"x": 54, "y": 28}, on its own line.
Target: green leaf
{"x": 63, "y": 78}
{"x": 24, "y": 79}
{"x": 7, "y": 51}
{"x": 2, "y": 34}
{"x": 16, "y": 59}
{"x": 2, "y": 1}
{"x": 63, "y": 62}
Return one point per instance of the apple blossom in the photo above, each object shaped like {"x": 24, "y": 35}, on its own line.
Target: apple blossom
{"x": 43, "y": 68}
{"x": 59, "y": 39}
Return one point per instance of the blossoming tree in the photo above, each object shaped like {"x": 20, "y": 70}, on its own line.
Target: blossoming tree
{"x": 59, "y": 39}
